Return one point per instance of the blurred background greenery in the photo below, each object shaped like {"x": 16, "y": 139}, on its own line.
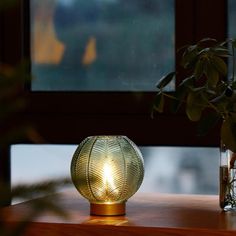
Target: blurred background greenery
{"x": 13, "y": 101}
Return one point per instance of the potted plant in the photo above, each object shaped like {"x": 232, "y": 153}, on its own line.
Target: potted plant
{"x": 208, "y": 93}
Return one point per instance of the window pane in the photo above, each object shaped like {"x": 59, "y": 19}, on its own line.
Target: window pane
{"x": 231, "y": 18}
{"x": 167, "y": 169}
{"x": 101, "y": 45}
{"x": 231, "y": 29}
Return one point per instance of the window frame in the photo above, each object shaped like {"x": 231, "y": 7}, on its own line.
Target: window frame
{"x": 128, "y": 112}
{"x": 68, "y": 117}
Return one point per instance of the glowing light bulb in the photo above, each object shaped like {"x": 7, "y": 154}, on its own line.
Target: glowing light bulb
{"x": 108, "y": 178}
{"x": 107, "y": 170}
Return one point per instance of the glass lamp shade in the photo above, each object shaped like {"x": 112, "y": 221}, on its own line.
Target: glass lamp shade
{"x": 107, "y": 170}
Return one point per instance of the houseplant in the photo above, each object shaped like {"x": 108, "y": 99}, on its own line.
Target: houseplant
{"x": 208, "y": 94}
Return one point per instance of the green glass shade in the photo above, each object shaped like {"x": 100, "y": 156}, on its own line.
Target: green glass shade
{"x": 107, "y": 169}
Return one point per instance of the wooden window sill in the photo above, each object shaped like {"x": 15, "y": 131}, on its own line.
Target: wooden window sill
{"x": 146, "y": 214}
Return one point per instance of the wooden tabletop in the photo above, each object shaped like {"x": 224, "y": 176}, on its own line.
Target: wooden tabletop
{"x": 146, "y": 214}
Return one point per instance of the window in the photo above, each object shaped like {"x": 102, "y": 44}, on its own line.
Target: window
{"x": 128, "y": 112}
{"x": 103, "y": 45}
{"x": 167, "y": 169}
{"x": 64, "y": 117}
{"x": 231, "y": 18}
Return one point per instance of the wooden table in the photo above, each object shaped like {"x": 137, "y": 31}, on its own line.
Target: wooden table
{"x": 147, "y": 214}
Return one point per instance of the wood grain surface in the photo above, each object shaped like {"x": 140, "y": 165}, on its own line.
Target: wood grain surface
{"x": 146, "y": 214}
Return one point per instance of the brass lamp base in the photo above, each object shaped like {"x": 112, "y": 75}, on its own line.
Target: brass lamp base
{"x": 110, "y": 209}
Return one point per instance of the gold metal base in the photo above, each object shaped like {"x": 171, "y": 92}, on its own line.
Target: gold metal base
{"x": 109, "y": 209}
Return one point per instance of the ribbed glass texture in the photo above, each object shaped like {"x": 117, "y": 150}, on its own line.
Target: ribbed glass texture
{"x": 107, "y": 169}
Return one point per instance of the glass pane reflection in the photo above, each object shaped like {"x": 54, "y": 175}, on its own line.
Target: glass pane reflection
{"x": 101, "y": 45}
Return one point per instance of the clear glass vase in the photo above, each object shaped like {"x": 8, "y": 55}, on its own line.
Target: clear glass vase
{"x": 227, "y": 194}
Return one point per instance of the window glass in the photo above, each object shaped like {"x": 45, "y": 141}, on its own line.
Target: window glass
{"x": 167, "y": 169}
{"x": 231, "y": 18}
{"x": 101, "y": 45}
{"x": 231, "y": 29}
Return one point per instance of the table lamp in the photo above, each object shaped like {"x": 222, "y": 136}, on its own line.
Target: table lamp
{"x": 107, "y": 170}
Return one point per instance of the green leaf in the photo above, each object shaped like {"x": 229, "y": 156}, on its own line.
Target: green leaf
{"x": 199, "y": 69}
{"x": 180, "y": 95}
{"x": 207, "y": 40}
{"x": 233, "y": 116}
{"x": 221, "y": 51}
{"x": 27, "y": 191}
{"x": 212, "y": 75}
{"x": 159, "y": 103}
{"x": 188, "y": 82}
{"x": 190, "y": 56}
{"x": 194, "y": 107}
{"x": 218, "y": 99}
{"x": 198, "y": 89}
{"x": 233, "y": 84}
{"x": 210, "y": 91}
{"x": 228, "y": 134}
{"x": 219, "y": 65}
{"x": 206, "y": 123}
{"x": 165, "y": 80}
{"x": 234, "y": 43}
{"x": 204, "y": 51}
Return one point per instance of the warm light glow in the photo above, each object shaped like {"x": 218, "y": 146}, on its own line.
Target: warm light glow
{"x": 108, "y": 179}
{"x": 107, "y": 170}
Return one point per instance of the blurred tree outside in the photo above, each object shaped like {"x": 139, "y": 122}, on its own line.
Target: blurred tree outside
{"x": 131, "y": 44}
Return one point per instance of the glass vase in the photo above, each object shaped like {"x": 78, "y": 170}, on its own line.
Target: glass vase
{"x": 227, "y": 194}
